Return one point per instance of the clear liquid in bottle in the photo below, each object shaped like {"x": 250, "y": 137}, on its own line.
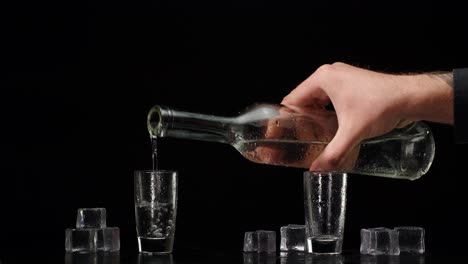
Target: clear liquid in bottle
{"x": 294, "y": 137}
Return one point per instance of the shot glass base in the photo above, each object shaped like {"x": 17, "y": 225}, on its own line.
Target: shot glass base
{"x": 329, "y": 245}
{"x": 155, "y": 246}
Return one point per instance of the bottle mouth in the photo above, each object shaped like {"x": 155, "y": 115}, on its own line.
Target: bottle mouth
{"x": 155, "y": 121}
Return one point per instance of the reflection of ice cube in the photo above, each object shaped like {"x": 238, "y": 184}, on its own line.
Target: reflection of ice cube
{"x": 292, "y": 257}
{"x": 292, "y": 238}
{"x": 91, "y": 218}
{"x": 260, "y": 241}
{"x": 92, "y": 258}
{"x": 259, "y": 258}
{"x": 382, "y": 259}
{"x": 411, "y": 239}
{"x": 412, "y": 258}
{"x": 379, "y": 241}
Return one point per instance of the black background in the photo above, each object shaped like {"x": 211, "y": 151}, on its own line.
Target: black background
{"x": 80, "y": 78}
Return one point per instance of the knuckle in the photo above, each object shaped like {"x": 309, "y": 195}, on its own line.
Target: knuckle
{"x": 325, "y": 68}
{"x": 339, "y": 63}
{"x": 330, "y": 72}
{"x": 325, "y": 71}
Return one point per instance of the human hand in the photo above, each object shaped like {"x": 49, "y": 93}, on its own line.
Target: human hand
{"x": 370, "y": 104}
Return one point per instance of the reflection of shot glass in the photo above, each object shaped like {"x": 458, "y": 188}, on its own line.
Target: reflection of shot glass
{"x": 325, "y": 206}
{"x": 155, "y": 210}
{"x": 155, "y": 259}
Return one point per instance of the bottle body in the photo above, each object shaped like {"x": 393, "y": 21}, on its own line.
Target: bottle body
{"x": 283, "y": 136}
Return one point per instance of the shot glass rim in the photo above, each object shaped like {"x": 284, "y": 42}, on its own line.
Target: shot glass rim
{"x": 293, "y": 226}
{"x": 154, "y": 171}
{"x": 326, "y": 173}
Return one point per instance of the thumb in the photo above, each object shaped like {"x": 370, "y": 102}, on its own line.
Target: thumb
{"x": 335, "y": 154}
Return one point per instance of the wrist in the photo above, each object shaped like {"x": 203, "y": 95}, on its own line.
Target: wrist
{"x": 431, "y": 97}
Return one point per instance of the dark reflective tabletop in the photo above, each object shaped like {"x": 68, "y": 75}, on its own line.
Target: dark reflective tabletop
{"x": 220, "y": 257}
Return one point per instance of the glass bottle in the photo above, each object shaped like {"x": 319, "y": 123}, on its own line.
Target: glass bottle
{"x": 294, "y": 137}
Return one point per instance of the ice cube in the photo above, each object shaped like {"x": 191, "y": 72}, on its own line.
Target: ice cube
{"x": 83, "y": 240}
{"x": 108, "y": 239}
{"x": 266, "y": 241}
{"x": 260, "y": 241}
{"x": 92, "y": 239}
{"x": 292, "y": 238}
{"x": 250, "y": 242}
{"x": 91, "y": 234}
{"x": 91, "y": 218}
{"x": 379, "y": 241}
{"x": 411, "y": 239}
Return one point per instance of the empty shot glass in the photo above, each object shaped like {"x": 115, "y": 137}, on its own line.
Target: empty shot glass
{"x": 325, "y": 206}
{"x": 155, "y": 210}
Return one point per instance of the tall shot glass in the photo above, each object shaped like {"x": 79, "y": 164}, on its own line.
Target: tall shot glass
{"x": 155, "y": 210}
{"x": 325, "y": 206}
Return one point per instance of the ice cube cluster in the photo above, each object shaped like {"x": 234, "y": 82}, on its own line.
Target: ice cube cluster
{"x": 91, "y": 233}
{"x": 385, "y": 241}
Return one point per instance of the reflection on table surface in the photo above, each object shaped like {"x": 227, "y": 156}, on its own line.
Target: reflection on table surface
{"x": 248, "y": 258}
{"x": 114, "y": 258}
{"x": 295, "y": 258}
{"x": 155, "y": 259}
{"x": 290, "y": 258}
{"x": 92, "y": 258}
{"x": 402, "y": 259}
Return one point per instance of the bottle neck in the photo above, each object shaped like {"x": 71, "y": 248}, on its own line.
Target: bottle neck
{"x": 166, "y": 122}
